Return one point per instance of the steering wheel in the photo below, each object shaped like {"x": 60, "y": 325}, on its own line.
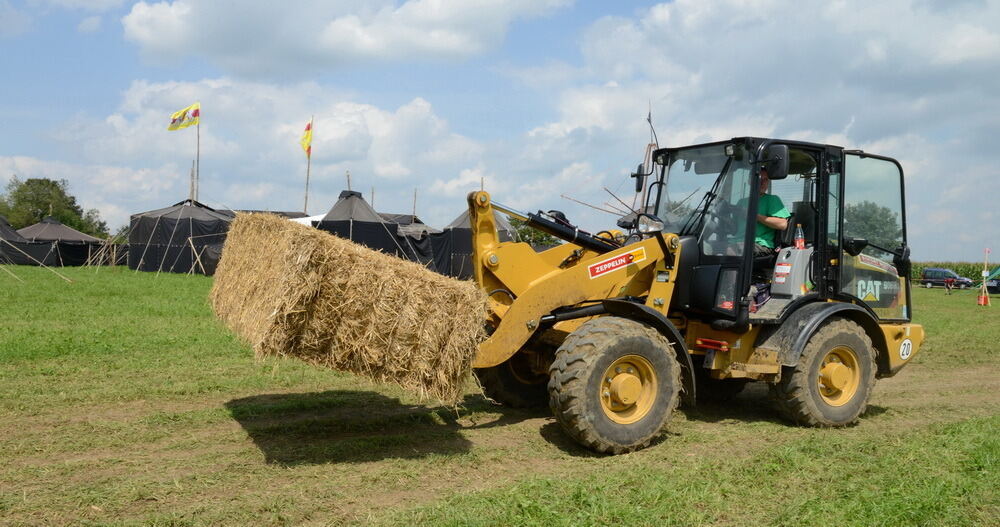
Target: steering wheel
{"x": 721, "y": 218}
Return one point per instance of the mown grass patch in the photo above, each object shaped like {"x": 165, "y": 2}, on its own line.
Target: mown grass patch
{"x": 123, "y": 402}
{"x": 946, "y": 475}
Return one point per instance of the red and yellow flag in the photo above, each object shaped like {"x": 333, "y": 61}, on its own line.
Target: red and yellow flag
{"x": 185, "y": 117}
{"x": 307, "y": 139}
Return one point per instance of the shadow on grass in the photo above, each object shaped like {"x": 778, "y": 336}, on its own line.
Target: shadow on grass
{"x": 356, "y": 426}
{"x": 751, "y": 406}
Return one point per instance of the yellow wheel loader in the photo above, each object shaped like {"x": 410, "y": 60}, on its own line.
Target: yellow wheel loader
{"x": 683, "y": 302}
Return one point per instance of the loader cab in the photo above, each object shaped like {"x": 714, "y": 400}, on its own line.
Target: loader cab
{"x": 849, "y": 205}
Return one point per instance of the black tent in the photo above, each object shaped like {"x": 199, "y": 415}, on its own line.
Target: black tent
{"x": 48, "y": 242}
{"x": 353, "y": 218}
{"x": 184, "y": 237}
{"x": 15, "y": 249}
{"x": 8, "y": 233}
{"x": 452, "y": 247}
{"x": 52, "y": 230}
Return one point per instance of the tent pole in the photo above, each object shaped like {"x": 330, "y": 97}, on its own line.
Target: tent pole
{"x": 142, "y": 257}
{"x": 32, "y": 258}
{"x": 8, "y": 271}
{"x": 197, "y": 258}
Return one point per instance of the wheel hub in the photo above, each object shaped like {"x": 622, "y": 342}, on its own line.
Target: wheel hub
{"x": 625, "y": 388}
{"x": 839, "y": 376}
{"x": 628, "y": 389}
{"x": 835, "y": 375}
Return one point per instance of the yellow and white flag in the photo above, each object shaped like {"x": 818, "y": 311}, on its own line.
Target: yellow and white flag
{"x": 307, "y": 139}
{"x": 186, "y": 117}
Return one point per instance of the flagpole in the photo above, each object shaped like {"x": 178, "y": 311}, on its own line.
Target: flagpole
{"x": 197, "y": 170}
{"x": 305, "y": 206}
{"x": 309, "y": 157}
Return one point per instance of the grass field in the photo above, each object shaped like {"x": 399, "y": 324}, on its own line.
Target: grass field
{"x": 123, "y": 402}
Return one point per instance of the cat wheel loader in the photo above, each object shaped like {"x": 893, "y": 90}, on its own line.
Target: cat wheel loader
{"x": 612, "y": 330}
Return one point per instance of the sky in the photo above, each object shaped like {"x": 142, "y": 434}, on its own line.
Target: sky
{"x": 535, "y": 98}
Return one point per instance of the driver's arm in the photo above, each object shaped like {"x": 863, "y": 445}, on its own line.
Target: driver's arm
{"x": 778, "y": 224}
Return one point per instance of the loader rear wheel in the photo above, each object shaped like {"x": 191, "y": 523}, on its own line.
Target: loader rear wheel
{"x": 513, "y": 383}
{"x": 833, "y": 380}
{"x": 614, "y": 384}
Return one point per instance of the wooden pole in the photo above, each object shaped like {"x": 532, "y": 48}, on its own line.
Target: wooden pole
{"x": 373, "y": 196}
{"x": 414, "y": 202}
{"x": 305, "y": 206}
{"x": 197, "y": 164}
{"x": 32, "y": 258}
{"x": 312, "y": 130}
{"x": 8, "y": 271}
{"x": 191, "y": 190}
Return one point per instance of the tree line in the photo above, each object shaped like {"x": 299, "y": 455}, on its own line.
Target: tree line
{"x": 27, "y": 202}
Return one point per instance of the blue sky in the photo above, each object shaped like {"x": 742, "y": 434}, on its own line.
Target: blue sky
{"x": 539, "y": 98}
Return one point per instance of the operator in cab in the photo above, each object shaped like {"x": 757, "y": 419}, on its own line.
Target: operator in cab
{"x": 772, "y": 217}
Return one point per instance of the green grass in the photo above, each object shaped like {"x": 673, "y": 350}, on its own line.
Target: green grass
{"x": 123, "y": 402}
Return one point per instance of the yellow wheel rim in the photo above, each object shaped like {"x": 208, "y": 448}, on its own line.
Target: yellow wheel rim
{"x": 628, "y": 389}
{"x": 839, "y": 376}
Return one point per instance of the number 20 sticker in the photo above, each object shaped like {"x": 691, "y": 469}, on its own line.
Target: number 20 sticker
{"x": 905, "y": 349}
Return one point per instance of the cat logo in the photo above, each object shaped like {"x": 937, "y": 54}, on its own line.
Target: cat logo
{"x": 870, "y": 290}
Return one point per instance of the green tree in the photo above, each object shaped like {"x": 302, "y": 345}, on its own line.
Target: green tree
{"x": 878, "y": 224}
{"x": 531, "y": 235}
{"x": 28, "y": 202}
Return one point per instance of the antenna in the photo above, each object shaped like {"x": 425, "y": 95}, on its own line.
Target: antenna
{"x": 373, "y": 196}
{"x": 652, "y": 130}
{"x": 348, "y": 179}
{"x": 414, "y": 202}
{"x": 564, "y": 196}
{"x": 606, "y": 189}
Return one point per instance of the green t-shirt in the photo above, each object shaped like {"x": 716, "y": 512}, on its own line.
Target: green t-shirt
{"x": 769, "y": 205}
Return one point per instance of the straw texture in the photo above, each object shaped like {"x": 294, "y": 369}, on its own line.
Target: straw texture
{"x": 291, "y": 290}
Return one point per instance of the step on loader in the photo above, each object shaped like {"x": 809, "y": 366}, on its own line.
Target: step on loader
{"x": 686, "y": 301}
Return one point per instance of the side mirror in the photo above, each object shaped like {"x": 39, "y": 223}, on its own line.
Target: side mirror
{"x": 777, "y": 161}
{"x": 902, "y": 261}
{"x": 854, "y": 246}
{"x": 640, "y": 178}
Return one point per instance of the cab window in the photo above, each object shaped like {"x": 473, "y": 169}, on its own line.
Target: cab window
{"x": 873, "y": 211}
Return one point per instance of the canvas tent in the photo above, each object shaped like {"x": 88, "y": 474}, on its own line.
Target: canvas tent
{"x": 48, "y": 242}
{"x": 52, "y": 230}
{"x": 8, "y": 233}
{"x": 353, "y": 218}
{"x": 452, "y": 247}
{"x": 184, "y": 237}
{"x": 15, "y": 249}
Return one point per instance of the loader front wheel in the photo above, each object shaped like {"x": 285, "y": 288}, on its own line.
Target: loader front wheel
{"x": 614, "y": 384}
{"x": 514, "y": 384}
{"x": 833, "y": 380}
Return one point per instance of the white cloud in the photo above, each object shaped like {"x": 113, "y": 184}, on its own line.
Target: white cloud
{"x": 250, "y": 153}
{"x": 322, "y": 33}
{"x": 912, "y": 80}
{"x": 90, "y": 5}
{"x": 91, "y": 24}
{"x": 13, "y": 21}
{"x": 116, "y": 191}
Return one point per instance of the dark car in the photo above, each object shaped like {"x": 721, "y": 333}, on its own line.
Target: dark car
{"x": 993, "y": 286}
{"x": 935, "y": 276}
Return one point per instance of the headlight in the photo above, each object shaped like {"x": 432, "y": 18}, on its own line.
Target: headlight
{"x": 649, "y": 224}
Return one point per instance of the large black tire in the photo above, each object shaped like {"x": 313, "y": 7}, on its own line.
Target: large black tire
{"x": 513, "y": 384}
{"x": 806, "y": 397}
{"x": 579, "y": 385}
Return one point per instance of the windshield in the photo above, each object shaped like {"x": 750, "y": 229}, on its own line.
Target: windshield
{"x": 691, "y": 176}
